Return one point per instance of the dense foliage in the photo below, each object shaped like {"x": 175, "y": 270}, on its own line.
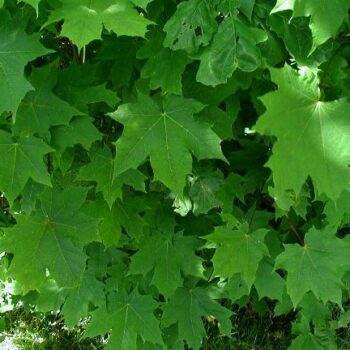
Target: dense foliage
{"x": 162, "y": 161}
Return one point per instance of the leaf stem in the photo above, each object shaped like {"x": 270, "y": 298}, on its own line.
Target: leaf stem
{"x": 295, "y": 231}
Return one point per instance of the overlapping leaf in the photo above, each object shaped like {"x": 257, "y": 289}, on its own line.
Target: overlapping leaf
{"x": 21, "y": 160}
{"x": 51, "y": 240}
{"x": 186, "y": 309}
{"x": 313, "y": 136}
{"x": 168, "y": 134}
{"x": 17, "y": 48}
{"x": 126, "y": 317}
{"x": 170, "y": 257}
{"x": 84, "y": 19}
{"x": 318, "y": 266}
{"x": 326, "y": 17}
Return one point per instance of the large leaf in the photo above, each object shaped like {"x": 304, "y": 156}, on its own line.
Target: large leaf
{"x": 167, "y": 134}
{"x": 313, "y": 136}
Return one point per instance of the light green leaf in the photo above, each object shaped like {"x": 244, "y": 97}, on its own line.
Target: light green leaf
{"x": 313, "y": 136}
{"x": 21, "y": 160}
{"x": 167, "y": 134}
{"x": 127, "y": 317}
{"x": 84, "y": 19}
{"x": 326, "y": 17}
{"x": 318, "y": 266}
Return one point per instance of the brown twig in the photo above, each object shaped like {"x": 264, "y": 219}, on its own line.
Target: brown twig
{"x": 295, "y": 231}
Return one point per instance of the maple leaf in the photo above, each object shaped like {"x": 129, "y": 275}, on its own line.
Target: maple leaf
{"x": 41, "y": 109}
{"x": 168, "y": 135}
{"x": 219, "y": 60}
{"x": 186, "y": 309}
{"x": 21, "y": 160}
{"x": 51, "y": 239}
{"x": 33, "y": 3}
{"x": 126, "y": 317}
{"x": 312, "y": 136}
{"x": 203, "y": 188}
{"x": 101, "y": 171}
{"x": 164, "y": 67}
{"x": 123, "y": 214}
{"x": 79, "y": 131}
{"x": 76, "y": 305}
{"x": 238, "y": 251}
{"x": 268, "y": 283}
{"x": 17, "y": 48}
{"x": 77, "y": 85}
{"x": 326, "y": 17}
{"x": 315, "y": 267}
{"x": 170, "y": 257}
{"x": 84, "y": 19}
{"x": 192, "y": 25}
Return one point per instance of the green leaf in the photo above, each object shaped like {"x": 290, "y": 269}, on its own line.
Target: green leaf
{"x": 167, "y": 134}
{"x": 126, "y": 317}
{"x": 315, "y": 266}
{"x": 170, "y": 257}
{"x": 203, "y": 189}
{"x": 52, "y": 239}
{"x": 33, "y": 3}
{"x": 164, "y": 67}
{"x": 101, "y": 169}
{"x": 21, "y": 160}
{"x": 41, "y": 109}
{"x": 268, "y": 282}
{"x": 312, "y": 135}
{"x": 16, "y": 50}
{"x": 123, "y": 214}
{"x": 84, "y": 19}
{"x": 79, "y": 131}
{"x": 249, "y": 250}
{"x": 191, "y": 26}
{"x": 77, "y": 85}
{"x": 326, "y": 17}
{"x": 186, "y": 309}
{"x": 234, "y": 47}
{"x": 76, "y": 306}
